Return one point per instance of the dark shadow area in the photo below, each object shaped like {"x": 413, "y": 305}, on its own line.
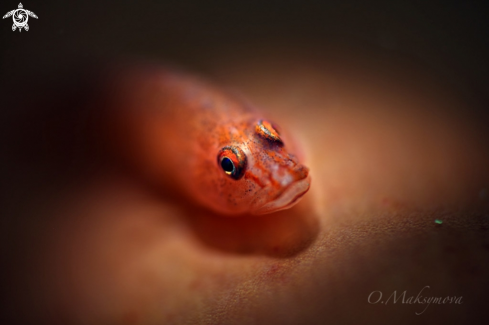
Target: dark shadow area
{"x": 282, "y": 234}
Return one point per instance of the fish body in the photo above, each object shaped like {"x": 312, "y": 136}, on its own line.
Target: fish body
{"x": 216, "y": 148}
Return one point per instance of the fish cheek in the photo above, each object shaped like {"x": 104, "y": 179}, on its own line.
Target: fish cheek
{"x": 233, "y": 195}
{"x": 219, "y": 191}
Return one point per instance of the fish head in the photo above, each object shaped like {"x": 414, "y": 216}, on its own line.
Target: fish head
{"x": 257, "y": 173}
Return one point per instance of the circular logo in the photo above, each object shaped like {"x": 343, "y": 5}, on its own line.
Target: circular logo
{"x": 20, "y": 18}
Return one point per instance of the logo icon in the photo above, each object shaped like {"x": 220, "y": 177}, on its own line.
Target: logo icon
{"x": 20, "y": 17}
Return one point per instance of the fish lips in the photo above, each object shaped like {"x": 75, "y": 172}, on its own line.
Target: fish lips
{"x": 287, "y": 199}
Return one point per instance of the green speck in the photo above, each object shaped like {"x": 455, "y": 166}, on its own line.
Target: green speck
{"x": 438, "y": 221}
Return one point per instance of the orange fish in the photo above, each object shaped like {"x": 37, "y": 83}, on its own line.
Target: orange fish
{"x": 216, "y": 148}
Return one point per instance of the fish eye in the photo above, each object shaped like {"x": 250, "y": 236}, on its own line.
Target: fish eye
{"x": 227, "y": 165}
{"x": 268, "y": 131}
{"x": 232, "y": 161}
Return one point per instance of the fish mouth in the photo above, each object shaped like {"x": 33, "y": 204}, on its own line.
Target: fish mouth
{"x": 287, "y": 199}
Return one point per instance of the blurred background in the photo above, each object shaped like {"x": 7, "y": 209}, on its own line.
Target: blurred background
{"x": 49, "y": 75}
{"x": 448, "y": 37}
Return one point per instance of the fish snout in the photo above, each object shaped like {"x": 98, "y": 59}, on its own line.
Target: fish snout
{"x": 290, "y": 173}
{"x": 300, "y": 172}
{"x": 288, "y": 190}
